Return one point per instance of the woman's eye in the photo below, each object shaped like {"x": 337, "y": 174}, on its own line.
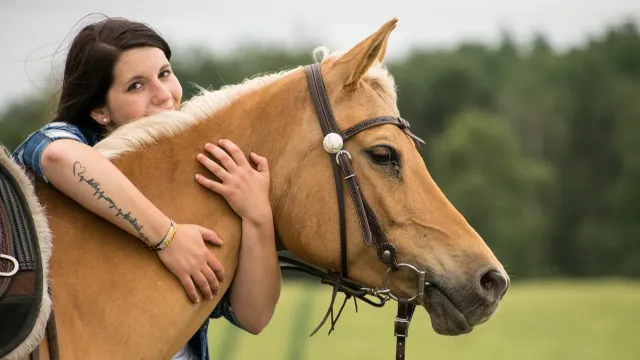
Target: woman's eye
{"x": 165, "y": 73}
{"x": 134, "y": 86}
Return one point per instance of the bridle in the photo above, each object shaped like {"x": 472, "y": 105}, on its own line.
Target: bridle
{"x": 371, "y": 230}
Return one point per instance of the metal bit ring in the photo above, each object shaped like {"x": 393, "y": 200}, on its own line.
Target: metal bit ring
{"x": 421, "y": 282}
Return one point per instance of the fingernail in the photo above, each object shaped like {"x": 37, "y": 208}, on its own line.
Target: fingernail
{"x": 220, "y": 141}
{"x": 197, "y": 300}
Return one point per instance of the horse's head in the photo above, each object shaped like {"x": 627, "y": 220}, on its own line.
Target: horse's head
{"x": 466, "y": 281}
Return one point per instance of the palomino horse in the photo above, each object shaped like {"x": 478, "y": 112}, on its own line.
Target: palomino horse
{"x": 114, "y": 299}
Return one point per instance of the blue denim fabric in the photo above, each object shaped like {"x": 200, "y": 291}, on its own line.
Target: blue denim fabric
{"x": 29, "y": 156}
{"x": 199, "y": 342}
{"x": 29, "y": 153}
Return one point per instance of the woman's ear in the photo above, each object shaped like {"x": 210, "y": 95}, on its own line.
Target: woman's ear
{"x": 101, "y": 115}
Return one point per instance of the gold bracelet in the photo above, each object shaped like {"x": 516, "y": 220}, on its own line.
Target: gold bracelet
{"x": 167, "y": 238}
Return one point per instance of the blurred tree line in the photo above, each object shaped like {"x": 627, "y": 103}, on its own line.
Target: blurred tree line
{"x": 539, "y": 149}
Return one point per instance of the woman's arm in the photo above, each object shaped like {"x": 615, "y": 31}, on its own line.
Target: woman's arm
{"x": 85, "y": 175}
{"x": 256, "y": 288}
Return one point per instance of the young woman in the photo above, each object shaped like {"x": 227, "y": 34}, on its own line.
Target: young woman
{"x": 118, "y": 71}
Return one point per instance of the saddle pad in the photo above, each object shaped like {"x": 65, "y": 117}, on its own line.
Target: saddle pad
{"x": 21, "y": 295}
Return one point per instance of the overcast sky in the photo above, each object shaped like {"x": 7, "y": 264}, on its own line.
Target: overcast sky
{"x": 32, "y": 30}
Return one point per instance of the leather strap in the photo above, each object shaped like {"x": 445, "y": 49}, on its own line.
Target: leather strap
{"x": 328, "y": 124}
{"x": 369, "y": 226}
{"x": 35, "y": 354}
{"x": 344, "y": 285}
{"x": 52, "y": 340}
{"x": 401, "y": 326}
{"x": 52, "y": 336}
{"x": 400, "y": 122}
{"x": 356, "y": 196}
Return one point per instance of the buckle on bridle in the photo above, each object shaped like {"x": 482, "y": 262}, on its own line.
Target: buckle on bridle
{"x": 401, "y": 327}
{"x": 342, "y": 152}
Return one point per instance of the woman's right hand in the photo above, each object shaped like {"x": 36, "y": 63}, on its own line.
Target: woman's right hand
{"x": 189, "y": 259}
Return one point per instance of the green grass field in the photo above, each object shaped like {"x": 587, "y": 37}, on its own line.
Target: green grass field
{"x": 542, "y": 320}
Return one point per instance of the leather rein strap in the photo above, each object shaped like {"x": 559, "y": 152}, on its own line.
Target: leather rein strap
{"x": 371, "y": 230}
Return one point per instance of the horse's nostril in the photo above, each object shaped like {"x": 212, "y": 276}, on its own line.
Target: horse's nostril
{"x": 487, "y": 282}
{"x": 494, "y": 285}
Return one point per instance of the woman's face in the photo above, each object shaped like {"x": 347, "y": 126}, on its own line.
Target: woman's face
{"x": 143, "y": 84}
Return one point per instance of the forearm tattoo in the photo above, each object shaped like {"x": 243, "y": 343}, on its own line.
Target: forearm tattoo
{"x": 79, "y": 170}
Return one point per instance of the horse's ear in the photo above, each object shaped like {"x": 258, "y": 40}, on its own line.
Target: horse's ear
{"x": 350, "y": 67}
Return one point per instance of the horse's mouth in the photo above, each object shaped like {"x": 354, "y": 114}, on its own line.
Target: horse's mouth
{"x": 446, "y": 318}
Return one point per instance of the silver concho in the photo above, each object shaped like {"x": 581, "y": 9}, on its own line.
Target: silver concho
{"x": 332, "y": 143}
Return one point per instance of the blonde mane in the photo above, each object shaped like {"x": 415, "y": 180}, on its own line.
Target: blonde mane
{"x": 202, "y": 106}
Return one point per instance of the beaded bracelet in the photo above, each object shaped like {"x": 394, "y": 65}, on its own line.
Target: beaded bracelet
{"x": 168, "y": 238}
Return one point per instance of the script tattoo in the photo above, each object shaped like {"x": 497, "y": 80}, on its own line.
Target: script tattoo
{"x": 79, "y": 170}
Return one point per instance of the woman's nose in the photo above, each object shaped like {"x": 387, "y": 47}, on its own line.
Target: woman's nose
{"x": 161, "y": 94}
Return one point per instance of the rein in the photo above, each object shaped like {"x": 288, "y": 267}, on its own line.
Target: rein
{"x": 372, "y": 233}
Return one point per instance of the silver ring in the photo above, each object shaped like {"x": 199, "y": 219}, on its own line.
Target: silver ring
{"x": 421, "y": 285}
{"x": 15, "y": 265}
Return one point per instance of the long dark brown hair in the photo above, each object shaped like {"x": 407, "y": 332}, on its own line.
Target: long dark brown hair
{"x": 88, "y": 71}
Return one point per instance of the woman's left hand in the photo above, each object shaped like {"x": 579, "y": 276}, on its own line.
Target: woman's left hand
{"x": 245, "y": 189}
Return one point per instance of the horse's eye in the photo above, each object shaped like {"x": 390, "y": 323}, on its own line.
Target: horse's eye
{"x": 384, "y": 155}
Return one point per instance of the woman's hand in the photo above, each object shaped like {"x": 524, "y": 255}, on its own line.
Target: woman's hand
{"x": 189, "y": 259}
{"x": 245, "y": 189}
